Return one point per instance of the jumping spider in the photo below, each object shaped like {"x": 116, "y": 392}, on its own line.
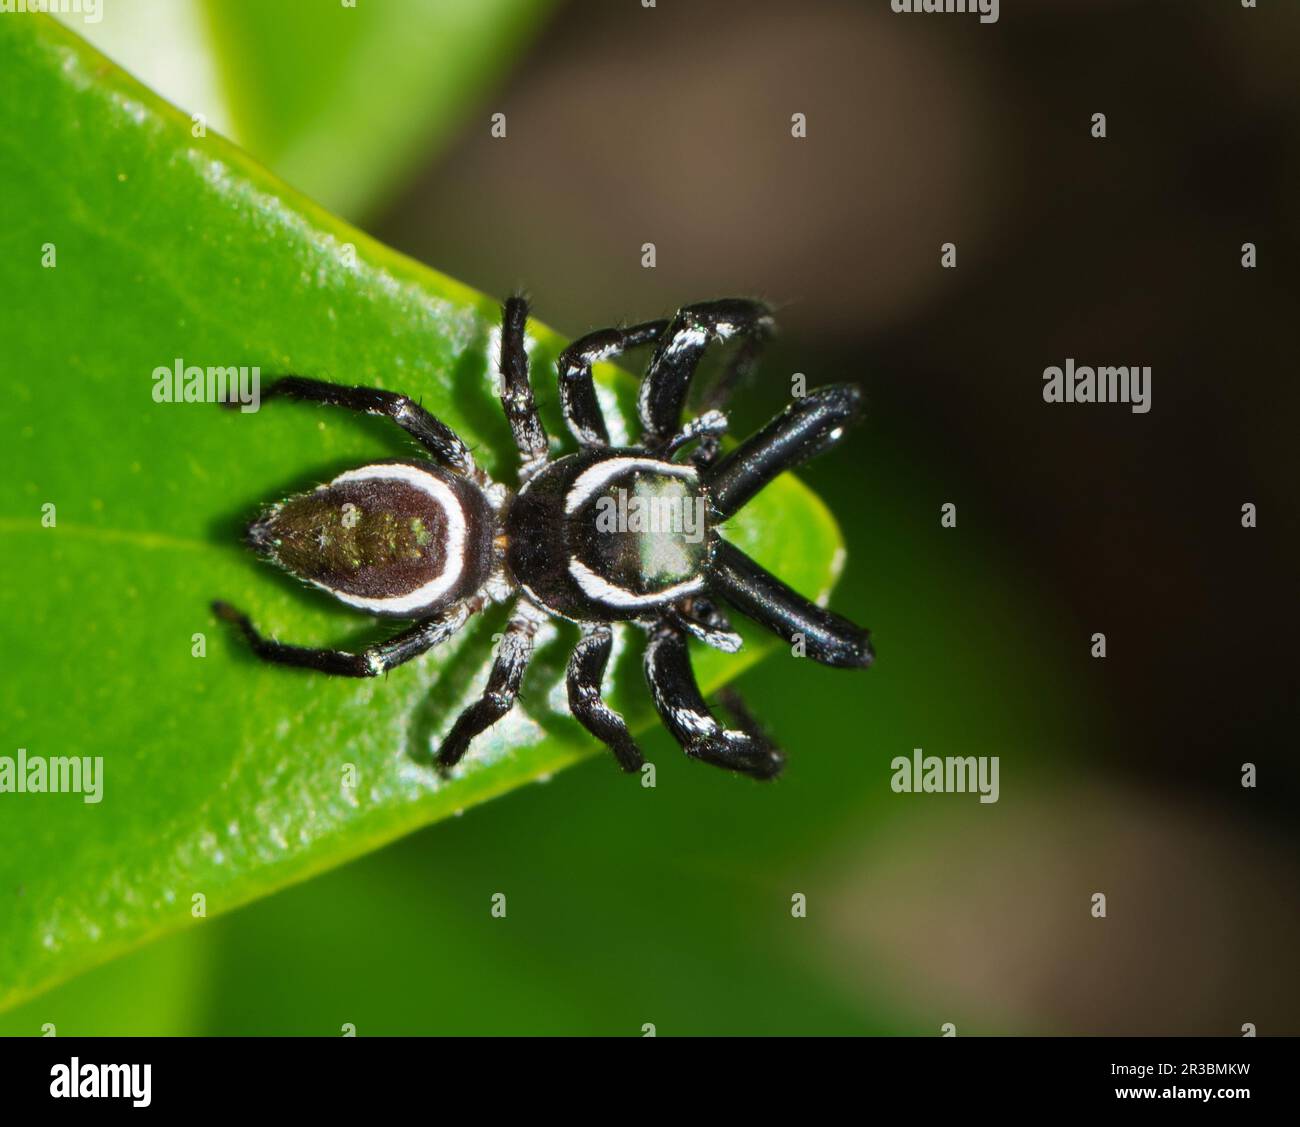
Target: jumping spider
{"x": 436, "y": 540}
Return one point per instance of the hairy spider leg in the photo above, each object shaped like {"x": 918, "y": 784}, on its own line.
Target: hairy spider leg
{"x": 730, "y": 699}
{"x": 517, "y": 391}
{"x": 514, "y": 653}
{"x": 737, "y": 371}
{"x": 719, "y": 394}
{"x": 825, "y": 636}
{"x": 808, "y": 427}
{"x": 585, "y": 675}
{"x": 431, "y": 432}
{"x": 683, "y": 711}
{"x": 705, "y": 429}
{"x": 577, "y": 391}
{"x": 667, "y": 380}
{"x": 703, "y": 619}
{"x": 369, "y": 662}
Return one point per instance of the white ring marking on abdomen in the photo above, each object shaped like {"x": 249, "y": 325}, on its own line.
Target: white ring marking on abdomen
{"x": 454, "y": 558}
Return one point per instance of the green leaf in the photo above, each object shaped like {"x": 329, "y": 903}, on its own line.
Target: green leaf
{"x": 313, "y": 114}
{"x": 223, "y": 777}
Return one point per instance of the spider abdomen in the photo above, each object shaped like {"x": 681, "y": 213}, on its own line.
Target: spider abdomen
{"x": 608, "y": 535}
{"x": 391, "y": 538}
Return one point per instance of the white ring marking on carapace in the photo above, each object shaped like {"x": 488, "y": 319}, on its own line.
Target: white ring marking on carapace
{"x": 454, "y": 561}
{"x": 602, "y": 590}
{"x": 590, "y": 480}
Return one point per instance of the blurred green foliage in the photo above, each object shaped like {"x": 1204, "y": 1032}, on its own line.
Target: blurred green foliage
{"x": 340, "y": 100}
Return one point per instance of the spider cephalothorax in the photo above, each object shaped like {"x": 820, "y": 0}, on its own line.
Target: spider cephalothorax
{"x": 604, "y": 535}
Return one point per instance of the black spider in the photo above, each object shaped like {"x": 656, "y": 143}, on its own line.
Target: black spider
{"x": 600, "y": 536}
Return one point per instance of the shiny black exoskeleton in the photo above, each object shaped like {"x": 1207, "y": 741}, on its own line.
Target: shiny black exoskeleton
{"x": 604, "y": 535}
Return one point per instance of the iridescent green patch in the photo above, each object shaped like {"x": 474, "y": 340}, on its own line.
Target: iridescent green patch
{"x": 365, "y": 538}
{"x": 653, "y": 531}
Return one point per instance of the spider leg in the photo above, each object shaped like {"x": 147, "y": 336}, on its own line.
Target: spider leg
{"x": 706, "y": 429}
{"x": 700, "y": 617}
{"x": 733, "y": 702}
{"x": 668, "y": 377}
{"x": 577, "y": 391}
{"x": 369, "y": 662}
{"x": 684, "y": 713}
{"x": 432, "y": 433}
{"x": 825, "y": 636}
{"x": 517, "y": 392}
{"x": 736, "y": 373}
{"x": 513, "y": 655}
{"x": 738, "y": 370}
{"x": 807, "y": 427}
{"x": 586, "y": 671}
